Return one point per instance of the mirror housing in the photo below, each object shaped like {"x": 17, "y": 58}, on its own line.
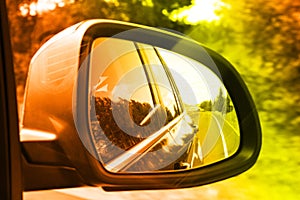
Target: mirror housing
{"x": 55, "y": 103}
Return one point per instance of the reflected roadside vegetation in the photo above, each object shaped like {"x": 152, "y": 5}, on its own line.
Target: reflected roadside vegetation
{"x": 112, "y": 141}
{"x": 155, "y": 110}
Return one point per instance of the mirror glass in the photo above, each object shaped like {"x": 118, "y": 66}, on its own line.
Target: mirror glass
{"x": 152, "y": 110}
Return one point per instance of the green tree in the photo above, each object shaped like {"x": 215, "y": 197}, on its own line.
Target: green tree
{"x": 219, "y": 102}
{"x": 206, "y": 106}
{"x": 229, "y": 107}
{"x": 152, "y": 13}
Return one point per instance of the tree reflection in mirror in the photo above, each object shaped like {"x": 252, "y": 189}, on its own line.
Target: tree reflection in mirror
{"x": 154, "y": 110}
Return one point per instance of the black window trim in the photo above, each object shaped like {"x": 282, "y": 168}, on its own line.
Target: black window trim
{"x": 176, "y": 93}
{"x": 10, "y": 156}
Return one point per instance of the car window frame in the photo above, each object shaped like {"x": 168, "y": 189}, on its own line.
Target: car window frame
{"x": 10, "y": 155}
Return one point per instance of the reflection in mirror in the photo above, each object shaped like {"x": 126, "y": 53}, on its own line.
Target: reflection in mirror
{"x": 154, "y": 110}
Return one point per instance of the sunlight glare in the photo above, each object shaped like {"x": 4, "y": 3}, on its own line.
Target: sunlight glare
{"x": 201, "y": 10}
{"x": 42, "y": 6}
{"x": 28, "y": 135}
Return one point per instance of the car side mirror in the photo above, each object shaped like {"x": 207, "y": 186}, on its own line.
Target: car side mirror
{"x": 134, "y": 107}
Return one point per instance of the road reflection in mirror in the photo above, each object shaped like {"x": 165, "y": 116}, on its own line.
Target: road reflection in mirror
{"x": 154, "y": 110}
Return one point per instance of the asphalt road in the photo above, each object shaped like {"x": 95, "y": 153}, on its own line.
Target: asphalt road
{"x": 217, "y": 139}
